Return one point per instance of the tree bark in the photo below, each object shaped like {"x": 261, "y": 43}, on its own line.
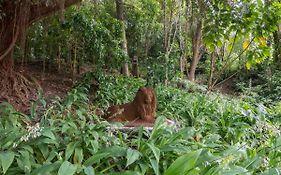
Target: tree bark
{"x": 120, "y": 16}
{"x": 196, "y": 44}
{"x": 135, "y": 67}
{"x": 277, "y": 48}
{"x": 212, "y": 68}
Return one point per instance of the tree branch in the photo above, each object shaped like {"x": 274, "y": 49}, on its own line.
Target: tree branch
{"x": 41, "y": 10}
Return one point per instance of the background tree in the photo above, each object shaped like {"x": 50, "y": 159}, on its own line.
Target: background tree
{"x": 16, "y": 16}
{"x": 120, "y": 16}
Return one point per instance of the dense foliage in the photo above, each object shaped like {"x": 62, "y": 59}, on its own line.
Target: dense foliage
{"x": 234, "y": 45}
{"x": 217, "y": 135}
{"x": 238, "y": 39}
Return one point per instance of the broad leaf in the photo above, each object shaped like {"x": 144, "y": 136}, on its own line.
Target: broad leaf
{"x": 132, "y": 156}
{"x": 184, "y": 163}
{"x": 95, "y": 158}
{"x": 48, "y": 133}
{"x": 7, "y": 159}
{"x": 235, "y": 170}
{"x": 47, "y": 168}
{"x": 155, "y": 166}
{"x": 67, "y": 168}
{"x": 69, "y": 150}
{"x": 89, "y": 170}
{"x": 78, "y": 155}
{"x": 155, "y": 151}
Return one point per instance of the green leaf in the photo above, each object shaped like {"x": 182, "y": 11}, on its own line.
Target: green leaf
{"x": 7, "y": 159}
{"x": 213, "y": 170}
{"x": 47, "y": 168}
{"x": 155, "y": 166}
{"x": 95, "y": 158}
{"x": 65, "y": 127}
{"x": 24, "y": 161}
{"x": 155, "y": 151}
{"x": 248, "y": 65}
{"x": 67, "y": 168}
{"x": 271, "y": 171}
{"x": 48, "y": 133}
{"x": 69, "y": 150}
{"x": 89, "y": 170}
{"x": 44, "y": 150}
{"x": 125, "y": 173}
{"x": 115, "y": 151}
{"x": 184, "y": 163}
{"x": 132, "y": 156}
{"x": 78, "y": 155}
{"x": 234, "y": 170}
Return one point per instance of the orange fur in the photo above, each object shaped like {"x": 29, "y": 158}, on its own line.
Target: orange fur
{"x": 141, "y": 111}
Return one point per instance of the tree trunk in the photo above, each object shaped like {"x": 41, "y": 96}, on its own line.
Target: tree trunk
{"x": 120, "y": 16}
{"x": 196, "y": 44}
{"x": 74, "y": 63}
{"x": 135, "y": 67}
{"x": 14, "y": 87}
{"x": 212, "y": 68}
{"x": 277, "y": 48}
{"x": 18, "y": 15}
{"x": 182, "y": 38}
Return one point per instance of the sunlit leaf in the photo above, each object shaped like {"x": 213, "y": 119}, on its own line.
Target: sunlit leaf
{"x": 246, "y": 44}
{"x": 248, "y": 65}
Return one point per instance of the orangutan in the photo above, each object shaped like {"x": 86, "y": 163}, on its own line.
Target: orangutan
{"x": 141, "y": 111}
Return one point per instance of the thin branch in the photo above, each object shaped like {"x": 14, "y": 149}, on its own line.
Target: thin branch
{"x": 235, "y": 58}
{"x": 221, "y": 82}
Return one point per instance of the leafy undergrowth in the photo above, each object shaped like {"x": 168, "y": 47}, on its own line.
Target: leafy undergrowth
{"x": 218, "y": 135}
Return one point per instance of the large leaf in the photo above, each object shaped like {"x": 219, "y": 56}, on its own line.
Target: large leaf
{"x": 89, "y": 170}
{"x": 155, "y": 151}
{"x": 47, "y": 168}
{"x": 235, "y": 170}
{"x": 184, "y": 163}
{"x": 95, "y": 158}
{"x": 132, "y": 156}
{"x": 67, "y": 168}
{"x": 44, "y": 150}
{"x": 48, "y": 133}
{"x": 78, "y": 155}
{"x": 155, "y": 166}
{"x": 69, "y": 150}
{"x": 24, "y": 162}
{"x": 115, "y": 151}
{"x": 271, "y": 171}
{"x": 7, "y": 159}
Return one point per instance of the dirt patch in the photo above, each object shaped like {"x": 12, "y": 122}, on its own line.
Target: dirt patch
{"x": 227, "y": 88}
{"x": 52, "y": 82}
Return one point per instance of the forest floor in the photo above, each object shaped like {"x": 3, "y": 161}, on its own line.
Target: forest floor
{"x": 53, "y": 82}
{"x": 227, "y": 88}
